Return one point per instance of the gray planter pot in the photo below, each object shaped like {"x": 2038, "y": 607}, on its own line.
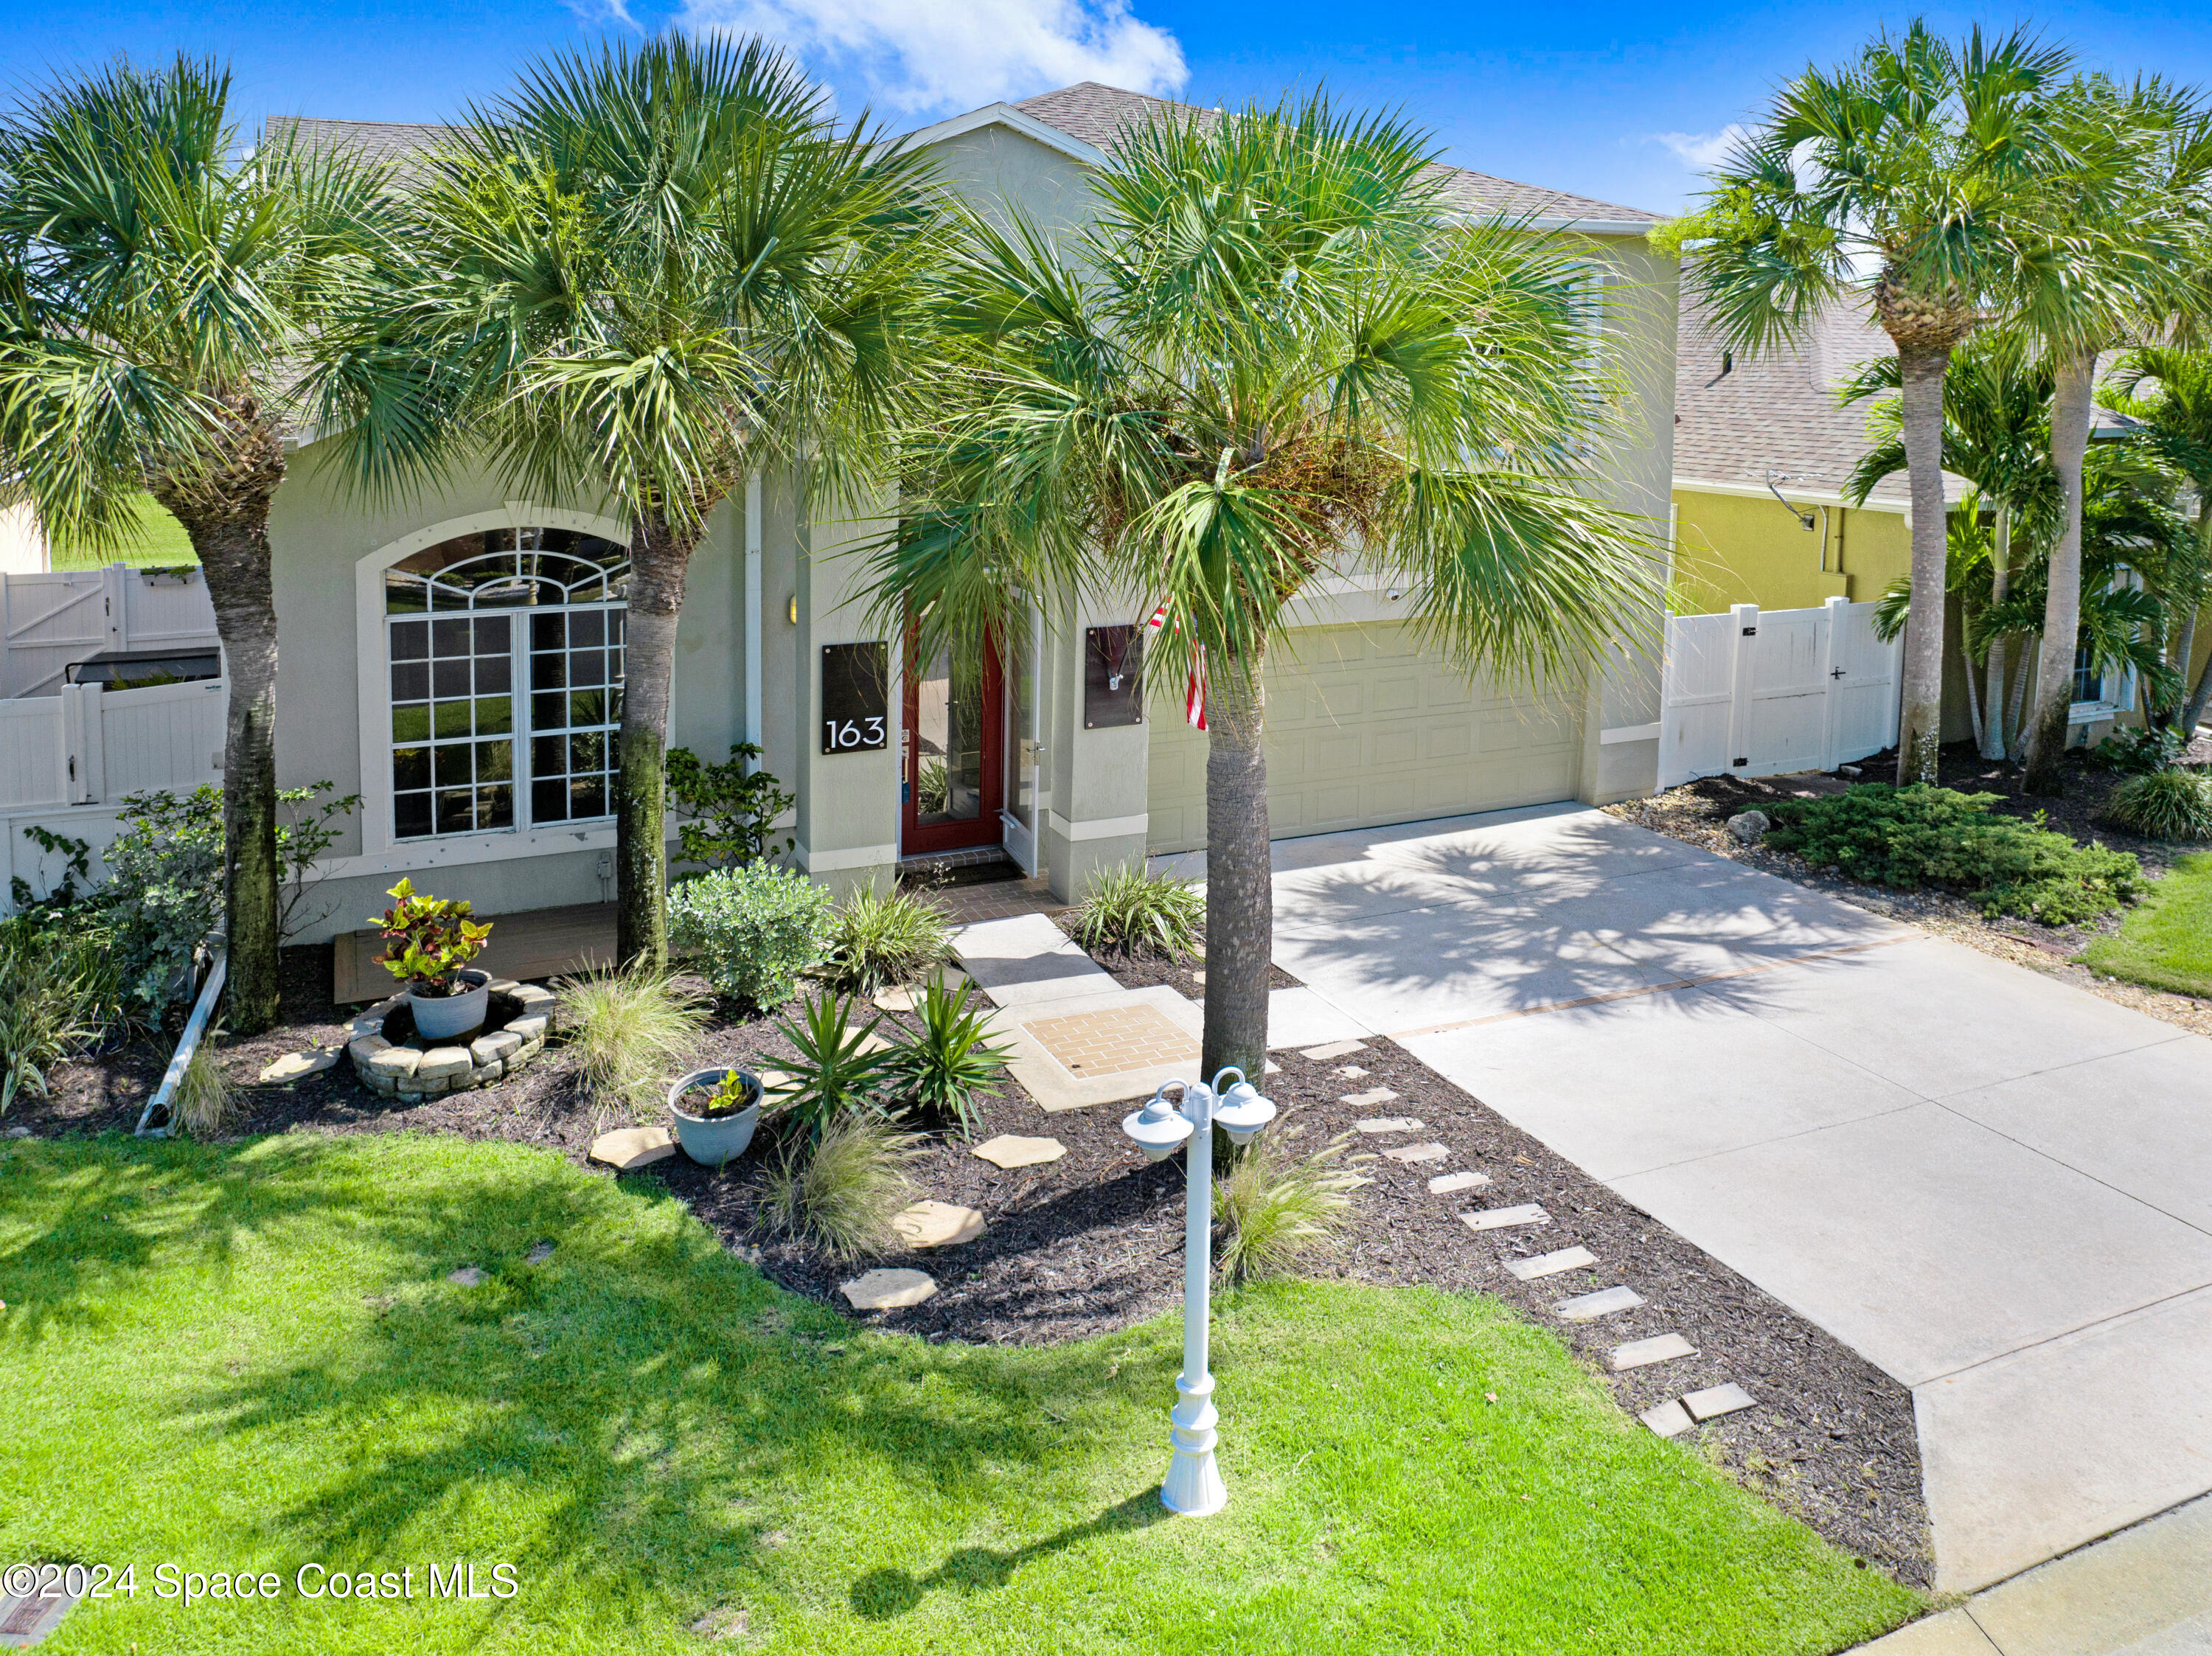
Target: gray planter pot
{"x": 441, "y": 1018}
{"x": 711, "y": 1141}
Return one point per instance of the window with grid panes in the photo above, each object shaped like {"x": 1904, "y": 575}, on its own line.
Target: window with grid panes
{"x": 505, "y": 653}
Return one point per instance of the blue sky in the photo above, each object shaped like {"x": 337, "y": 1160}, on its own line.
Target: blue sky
{"x": 1605, "y": 99}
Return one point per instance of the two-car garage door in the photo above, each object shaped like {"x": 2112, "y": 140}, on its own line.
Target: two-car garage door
{"x": 1365, "y": 728}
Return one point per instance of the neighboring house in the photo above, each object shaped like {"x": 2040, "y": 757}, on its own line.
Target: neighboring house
{"x": 455, "y": 658}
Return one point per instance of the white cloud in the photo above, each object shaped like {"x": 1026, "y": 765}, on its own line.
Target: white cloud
{"x": 944, "y": 56}
{"x": 1704, "y": 150}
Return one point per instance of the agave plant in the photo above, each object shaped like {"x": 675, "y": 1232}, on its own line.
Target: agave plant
{"x": 836, "y": 1073}
{"x": 943, "y": 1068}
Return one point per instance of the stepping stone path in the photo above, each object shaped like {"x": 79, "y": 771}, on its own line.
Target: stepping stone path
{"x": 1334, "y": 1049}
{"x": 936, "y": 1224}
{"x": 1668, "y": 1419}
{"x": 298, "y": 1066}
{"x": 1351, "y": 1071}
{"x": 1368, "y": 1100}
{"x": 1716, "y": 1400}
{"x": 538, "y": 1255}
{"x": 466, "y": 1277}
{"x": 1527, "y": 1213}
{"x": 1551, "y": 1264}
{"x": 629, "y": 1148}
{"x": 1011, "y": 1150}
{"x": 1388, "y": 1123}
{"x": 1606, "y": 1302}
{"x": 1642, "y": 1354}
{"x": 1416, "y": 1153}
{"x": 1445, "y": 1183}
{"x": 888, "y": 1290}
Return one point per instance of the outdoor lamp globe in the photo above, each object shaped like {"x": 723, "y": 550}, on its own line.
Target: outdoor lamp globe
{"x": 1243, "y": 1109}
{"x": 1159, "y": 1128}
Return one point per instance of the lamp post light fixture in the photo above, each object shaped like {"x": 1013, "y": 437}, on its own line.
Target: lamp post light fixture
{"x": 1194, "y": 1486}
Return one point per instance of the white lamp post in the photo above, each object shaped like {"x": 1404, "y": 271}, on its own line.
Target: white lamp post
{"x": 1194, "y": 1486}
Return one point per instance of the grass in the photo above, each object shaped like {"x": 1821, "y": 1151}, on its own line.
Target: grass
{"x": 247, "y": 1356}
{"x": 2167, "y": 944}
{"x": 159, "y": 540}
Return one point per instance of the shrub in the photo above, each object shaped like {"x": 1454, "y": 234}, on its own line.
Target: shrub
{"x": 1278, "y": 1211}
{"x": 205, "y": 1103}
{"x": 880, "y": 939}
{"x": 2140, "y": 750}
{"x": 733, "y": 809}
{"x": 431, "y": 938}
{"x": 631, "y": 1030}
{"x": 1919, "y": 836}
{"x": 751, "y": 930}
{"x": 835, "y": 1074}
{"x": 943, "y": 1067}
{"x": 2173, "y": 804}
{"x": 838, "y": 1192}
{"x": 1130, "y": 911}
{"x": 61, "y": 994}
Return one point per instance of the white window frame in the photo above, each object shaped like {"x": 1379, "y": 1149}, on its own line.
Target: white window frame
{"x": 2110, "y": 707}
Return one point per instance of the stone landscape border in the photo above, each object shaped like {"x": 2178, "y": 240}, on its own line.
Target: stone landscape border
{"x": 413, "y": 1069}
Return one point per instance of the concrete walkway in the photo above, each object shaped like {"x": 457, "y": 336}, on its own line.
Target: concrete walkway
{"x": 1993, "y": 1186}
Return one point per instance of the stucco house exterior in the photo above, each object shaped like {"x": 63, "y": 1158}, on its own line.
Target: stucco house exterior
{"x": 456, "y": 658}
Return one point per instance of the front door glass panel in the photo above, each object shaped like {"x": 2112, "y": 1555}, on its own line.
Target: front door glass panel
{"x": 948, "y": 784}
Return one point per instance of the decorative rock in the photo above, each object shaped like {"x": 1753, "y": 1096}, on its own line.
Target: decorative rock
{"x": 362, "y": 1048}
{"x": 1551, "y": 1264}
{"x": 777, "y": 1081}
{"x": 1445, "y": 1183}
{"x": 1750, "y": 827}
{"x": 898, "y": 999}
{"x": 443, "y": 1064}
{"x": 298, "y": 1066}
{"x": 530, "y": 1027}
{"x": 1606, "y": 1302}
{"x": 529, "y": 996}
{"x": 1528, "y": 1213}
{"x": 1717, "y": 1400}
{"x": 1668, "y": 1419}
{"x": 19, "y": 1132}
{"x": 404, "y": 1069}
{"x": 1388, "y": 1123}
{"x": 1416, "y": 1153}
{"x": 936, "y": 1224}
{"x": 494, "y": 1047}
{"x": 1010, "y": 1150}
{"x": 505, "y": 986}
{"x": 466, "y": 1277}
{"x": 1660, "y": 1347}
{"x": 538, "y": 1255}
{"x": 627, "y": 1147}
{"x": 394, "y": 1064}
{"x": 1368, "y": 1100}
{"x": 888, "y": 1290}
{"x": 1334, "y": 1049}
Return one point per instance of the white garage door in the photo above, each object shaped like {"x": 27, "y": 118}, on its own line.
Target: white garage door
{"x": 1364, "y": 729}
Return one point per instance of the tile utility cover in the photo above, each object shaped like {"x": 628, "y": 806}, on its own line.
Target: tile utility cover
{"x": 1115, "y": 1042}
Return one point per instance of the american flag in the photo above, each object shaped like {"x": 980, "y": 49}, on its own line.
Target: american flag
{"x": 1194, "y": 695}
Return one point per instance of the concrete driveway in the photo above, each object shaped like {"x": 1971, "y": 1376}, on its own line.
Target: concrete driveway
{"x": 1993, "y": 1186}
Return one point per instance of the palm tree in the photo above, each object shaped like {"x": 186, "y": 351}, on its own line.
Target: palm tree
{"x": 1996, "y": 421}
{"x": 1924, "y": 163}
{"x": 639, "y": 277}
{"x": 2115, "y": 268}
{"x": 2169, "y": 391}
{"x": 155, "y": 280}
{"x": 1271, "y": 355}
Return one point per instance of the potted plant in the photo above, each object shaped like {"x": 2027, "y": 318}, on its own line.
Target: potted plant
{"x": 715, "y": 1112}
{"x": 433, "y": 939}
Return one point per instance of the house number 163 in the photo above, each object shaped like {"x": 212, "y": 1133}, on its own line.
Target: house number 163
{"x": 839, "y": 734}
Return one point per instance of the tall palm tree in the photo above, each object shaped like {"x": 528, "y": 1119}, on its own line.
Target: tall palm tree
{"x": 1273, "y": 354}
{"x": 2169, "y": 391}
{"x": 2114, "y": 268}
{"x": 156, "y": 281}
{"x": 1923, "y": 164}
{"x": 637, "y": 278}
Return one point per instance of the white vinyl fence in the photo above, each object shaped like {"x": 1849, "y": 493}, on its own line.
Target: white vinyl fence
{"x": 47, "y": 621}
{"x": 1762, "y": 694}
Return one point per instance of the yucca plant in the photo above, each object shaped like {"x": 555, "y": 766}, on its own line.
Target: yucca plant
{"x": 881, "y": 938}
{"x": 1279, "y": 1211}
{"x": 835, "y": 1074}
{"x": 2175, "y": 805}
{"x": 206, "y": 1102}
{"x": 943, "y": 1066}
{"x": 838, "y": 1192}
{"x": 629, "y": 1029}
{"x": 1128, "y": 911}
{"x": 59, "y": 996}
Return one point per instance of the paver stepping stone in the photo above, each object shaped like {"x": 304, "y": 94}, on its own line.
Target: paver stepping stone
{"x": 1445, "y": 1183}
{"x": 1334, "y": 1049}
{"x": 1551, "y": 1264}
{"x": 1012, "y": 1151}
{"x": 27, "y": 1618}
{"x": 1388, "y": 1123}
{"x": 897, "y": 998}
{"x": 1368, "y": 1100}
{"x": 1606, "y": 1302}
{"x": 466, "y": 1277}
{"x": 1716, "y": 1400}
{"x": 1528, "y": 1213}
{"x": 633, "y": 1147}
{"x": 887, "y": 1290}
{"x": 298, "y": 1066}
{"x": 1417, "y": 1152}
{"x": 1668, "y": 1419}
{"x": 1351, "y": 1071}
{"x": 936, "y": 1224}
{"x": 540, "y": 1254}
{"x": 1660, "y": 1347}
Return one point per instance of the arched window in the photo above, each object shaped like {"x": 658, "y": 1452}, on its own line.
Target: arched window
{"x": 504, "y": 649}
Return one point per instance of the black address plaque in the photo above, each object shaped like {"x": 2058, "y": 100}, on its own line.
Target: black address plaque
{"x": 855, "y": 697}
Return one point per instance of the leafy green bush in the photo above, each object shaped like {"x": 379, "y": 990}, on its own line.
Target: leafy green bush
{"x": 1130, "y": 911}
{"x": 732, "y": 808}
{"x": 431, "y": 938}
{"x": 950, "y": 1059}
{"x": 835, "y": 1074}
{"x": 2140, "y": 750}
{"x": 751, "y": 930}
{"x": 630, "y": 1031}
{"x": 882, "y": 939}
{"x": 2170, "y": 804}
{"x": 61, "y": 994}
{"x": 838, "y": 1192}
{"x": 1910, "y": 838}
{"x": 1278, "y": 1211}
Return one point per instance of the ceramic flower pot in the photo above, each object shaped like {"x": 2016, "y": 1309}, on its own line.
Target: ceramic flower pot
{"x": 713, "y": 1140}
{"x": 441, "y": 1018}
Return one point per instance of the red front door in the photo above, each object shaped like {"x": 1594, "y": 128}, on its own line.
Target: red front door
{"x": 953, "y": 771}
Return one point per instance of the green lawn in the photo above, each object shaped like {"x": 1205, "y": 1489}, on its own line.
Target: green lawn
{"x": 2166, "y": 941}
{"x": 247, "y": 1357}
{"x": 160, "y": 539}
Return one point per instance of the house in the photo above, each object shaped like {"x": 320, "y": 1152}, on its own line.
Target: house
{"x": 455, "y": 658}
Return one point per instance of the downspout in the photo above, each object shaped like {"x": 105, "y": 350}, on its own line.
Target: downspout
{"x": 753, "y": 628}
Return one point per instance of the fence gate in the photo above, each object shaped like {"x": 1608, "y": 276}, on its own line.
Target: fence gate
{"x": 1753, "y": 694}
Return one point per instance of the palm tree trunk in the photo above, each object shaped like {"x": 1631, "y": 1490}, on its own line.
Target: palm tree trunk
{"x": 659, "y": 556}
{"x": 2020, "y": 681}
{"x": 1973, "y": 693}
{"x": 1994, "y": 733}
{"x": 2191, "y": 710}
{"x": 1240, "y": 893}
{"x": 2061, "y": 612}
{"x": 1920, "y": 734}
